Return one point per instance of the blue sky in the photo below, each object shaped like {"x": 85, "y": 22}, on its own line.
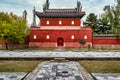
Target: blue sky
{"x": 18, "y": 6}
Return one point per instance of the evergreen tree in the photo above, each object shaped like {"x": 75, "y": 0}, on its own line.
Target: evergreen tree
{"x": 92, "y": 22}
{"x": 103, "y": 26}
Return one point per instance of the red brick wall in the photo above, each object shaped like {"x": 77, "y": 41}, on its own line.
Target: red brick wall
{"x": 54, "y": 44}
{"x": 55, "y": 34}
{"x": 106, "y": 41}
{"x": 55, "y": 22}
{"x": 42, "y": 44}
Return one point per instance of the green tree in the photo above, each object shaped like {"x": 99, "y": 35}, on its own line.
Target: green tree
{"x": 112, "y": 16}
{"x": 119, "y": 32}
{"x": 103, "y": 26}
{"x": 92, "y": 22}
{"x": 117, "y": 16}
{"x": 13, "y": 29}
{"x": 108, "y": 17}
{"x": 82, "y": 41}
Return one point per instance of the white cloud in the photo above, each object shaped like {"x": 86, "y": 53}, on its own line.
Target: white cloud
{"x": 18, "y": 6}
{"x": 95, "y": 6}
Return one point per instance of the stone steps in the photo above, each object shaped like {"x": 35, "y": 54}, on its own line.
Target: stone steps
{"x": 60, "y": 49}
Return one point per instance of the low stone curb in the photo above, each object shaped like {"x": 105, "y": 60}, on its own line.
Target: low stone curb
{"x": 84, "y": 73}
{"x": 33, "y": 74}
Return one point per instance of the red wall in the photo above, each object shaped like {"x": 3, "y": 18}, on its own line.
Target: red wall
{"x": 41, "y": 40}
{"x": 55, "y": 34}
{"x": 106, "y": 41}
{"x": 55, "y": 22}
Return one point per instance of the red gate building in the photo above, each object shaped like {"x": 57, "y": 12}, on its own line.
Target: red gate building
{"x": 59, "y": 27}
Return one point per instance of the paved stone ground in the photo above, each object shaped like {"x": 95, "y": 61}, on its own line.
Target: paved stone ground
{"x": 12, "y": 76}
{"x": 24, "y": 53}
{"x": 59, "y": 49}
{"x": 83, "y": 72}
{"x": 52, "y": 70}
{"x": 107, "y": 76}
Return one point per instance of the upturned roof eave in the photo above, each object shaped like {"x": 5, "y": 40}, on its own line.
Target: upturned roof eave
{"x": 43, "y": 15}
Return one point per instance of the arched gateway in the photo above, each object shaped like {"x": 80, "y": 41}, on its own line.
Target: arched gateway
{"x": 60, "y": 42}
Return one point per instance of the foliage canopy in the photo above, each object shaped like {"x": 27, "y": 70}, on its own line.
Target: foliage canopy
{"x": 109, "y": 21}
{"x": 82, "y": 41}
{"x": 13, "y": 29}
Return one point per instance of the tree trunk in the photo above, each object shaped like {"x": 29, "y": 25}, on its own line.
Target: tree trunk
{"x": 6, "y": 46}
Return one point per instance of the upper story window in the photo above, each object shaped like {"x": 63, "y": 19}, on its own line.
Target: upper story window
{"x": 35, "y": 37}
{"x": 60, "y": 22}
{"x": 47, "y": 22}
{"x": 47, "y": 37}
{"x": 72, "y": 22}
{"x": 85, "y": 37}
{"x": 72, "y": 37}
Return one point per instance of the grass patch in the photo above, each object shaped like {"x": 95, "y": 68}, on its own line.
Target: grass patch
{"x": 33, "y": 48}
{"x": 68, "y": 49}
{"x": 18, "y": 66}
{"x": 44, "y": 49}
{"x": 101, "y": 66}
{"x": 76, "y": 49}
{"x": 94, "y": 49}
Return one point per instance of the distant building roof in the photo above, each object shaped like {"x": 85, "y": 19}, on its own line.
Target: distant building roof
{"x": 60, "y": 13}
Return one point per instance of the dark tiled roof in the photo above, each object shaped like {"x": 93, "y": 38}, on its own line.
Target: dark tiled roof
{"x": 60, "y": 13}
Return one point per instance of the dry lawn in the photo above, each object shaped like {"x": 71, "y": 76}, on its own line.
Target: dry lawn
{"x": 101, "y": 66}
{"x": 18, "y": 66}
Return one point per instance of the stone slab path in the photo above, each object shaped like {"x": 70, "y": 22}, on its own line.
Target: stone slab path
{"x": 65, "y": 70}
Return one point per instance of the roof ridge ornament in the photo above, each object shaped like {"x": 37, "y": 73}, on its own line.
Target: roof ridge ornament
{"x": 46, "y": 5}
{"x": 79, "y": 6}
{"x": 25, "y": 14}
{"x": 34, "y": 17}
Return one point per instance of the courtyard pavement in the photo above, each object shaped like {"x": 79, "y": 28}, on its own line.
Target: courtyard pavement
{"x": 24, "y": 53}
{"x": 107, "y": 76}
{"x": 52, "y": 70}
{"x": 58, "y": 70}
{"x": 12, "y": 76}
